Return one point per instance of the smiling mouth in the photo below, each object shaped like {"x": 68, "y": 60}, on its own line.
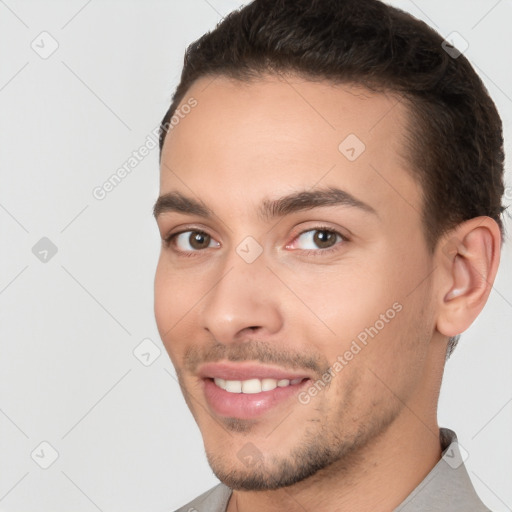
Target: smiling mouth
{"x": 249, "y": 390}
{"x": 250, "y": 398}
{"x": 254, "y": 386}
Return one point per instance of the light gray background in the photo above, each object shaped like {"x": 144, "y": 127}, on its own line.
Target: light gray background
{"x": 68, "y": 326}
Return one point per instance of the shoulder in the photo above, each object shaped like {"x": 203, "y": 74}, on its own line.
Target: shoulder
{"x": 448, "y": 486}
{"x": 214, "y": 500}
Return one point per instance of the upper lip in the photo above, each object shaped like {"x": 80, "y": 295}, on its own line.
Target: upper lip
{"x": 246, "y": 371}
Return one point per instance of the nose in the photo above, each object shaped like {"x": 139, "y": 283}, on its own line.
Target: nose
{"x": 243, "y": 302}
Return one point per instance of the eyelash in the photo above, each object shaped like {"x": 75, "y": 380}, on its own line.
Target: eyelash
{"x": 167, "y": 242}
{"x": 308, "y": 252}
{"x": 328, "y": 250}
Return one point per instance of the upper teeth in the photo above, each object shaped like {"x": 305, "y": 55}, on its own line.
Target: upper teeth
{"x": 253, "y": 385}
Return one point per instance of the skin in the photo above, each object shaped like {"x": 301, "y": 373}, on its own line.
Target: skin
{"x": 372, "y": 432}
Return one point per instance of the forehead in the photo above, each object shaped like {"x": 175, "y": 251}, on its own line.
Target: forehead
{"x": 275, "y": 135}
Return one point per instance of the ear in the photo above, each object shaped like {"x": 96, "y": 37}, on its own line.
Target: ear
{"x": 467, "y": 260}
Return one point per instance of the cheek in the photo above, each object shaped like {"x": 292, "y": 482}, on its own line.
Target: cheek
{"x": 365, "y": 310}
{"x": 162, "y": 296}
{"x": 392, "y": 326}
{"x": 343, "y": 301}
{"x": 172, "y": 300}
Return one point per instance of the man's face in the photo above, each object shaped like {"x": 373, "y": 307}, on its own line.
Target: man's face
{"x": 271, "y": 278}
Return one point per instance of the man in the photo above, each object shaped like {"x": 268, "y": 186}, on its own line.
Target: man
{"x": 331, "y": 182}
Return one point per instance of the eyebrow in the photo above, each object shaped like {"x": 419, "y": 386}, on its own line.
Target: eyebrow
{"x": 307, "y": 200}
{"x": 270, "y": 208}
{"x": 176, "y": 202}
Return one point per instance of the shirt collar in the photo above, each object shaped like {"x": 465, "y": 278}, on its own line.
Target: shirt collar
{"x": 447, "y": 486}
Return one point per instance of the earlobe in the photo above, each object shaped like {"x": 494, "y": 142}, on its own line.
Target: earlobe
{"x": 468, "y": 264}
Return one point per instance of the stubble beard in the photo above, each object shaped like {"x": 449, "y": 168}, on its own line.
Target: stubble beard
{"x": 325, "y": 448}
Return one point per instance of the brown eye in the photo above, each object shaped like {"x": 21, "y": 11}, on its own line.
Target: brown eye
{"x": 323, "y": 238}
{"x": 199, "y": 240}
{"x": 192, "y": 241}
{"x": 318, "y": 239}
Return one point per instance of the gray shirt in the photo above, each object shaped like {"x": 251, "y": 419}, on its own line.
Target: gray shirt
{"x": 447, "y": 488}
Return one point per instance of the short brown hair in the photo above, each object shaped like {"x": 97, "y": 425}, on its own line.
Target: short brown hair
{"x": 454, "y": 142}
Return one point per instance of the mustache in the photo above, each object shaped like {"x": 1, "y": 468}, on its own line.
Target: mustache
{"x": 254, "y": 350}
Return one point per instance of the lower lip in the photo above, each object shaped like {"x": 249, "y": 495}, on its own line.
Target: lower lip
{"x": 245, "y": 405}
